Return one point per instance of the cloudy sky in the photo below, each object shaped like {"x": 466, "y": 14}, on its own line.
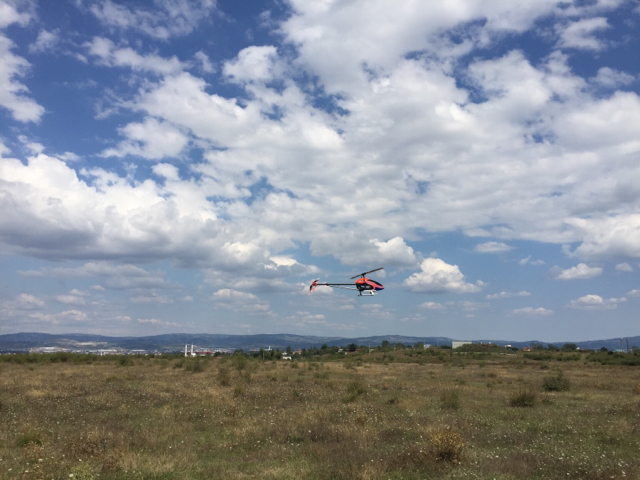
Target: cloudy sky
{"x": 190, "y": 166}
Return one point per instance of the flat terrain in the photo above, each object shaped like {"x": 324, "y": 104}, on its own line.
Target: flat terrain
{"x": 398, "y": 415}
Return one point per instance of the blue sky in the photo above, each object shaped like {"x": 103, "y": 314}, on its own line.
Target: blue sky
{"x": 190, "y": 166}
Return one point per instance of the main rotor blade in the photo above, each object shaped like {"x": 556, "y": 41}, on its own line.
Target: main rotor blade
{"x": 370, "y": 271}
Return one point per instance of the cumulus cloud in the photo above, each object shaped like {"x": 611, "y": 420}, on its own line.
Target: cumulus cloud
{"x": 150, "y": 139}
{"x": 167, "y": 19}
{"x": 436, "y": 276}
{"x": 110, "y": 55}
{"x": 596, "y": 302}
{"x": 13, "y": 94}
{"x": 610, "y": 78}
{"x": 492, "y": 247}
{"x": 581, "y": 34}
{"x": 24, "y": 301}
{"x": 74, "y": 297}
{"x": 240, "y": 301}
{"x": 46, "y": 41}
{"x": 531, "y": 311}
{"x": 580, "y": 272}
{"x": 501, "y": 295}
{"x": 432, "y": 306}
{"x": 624, "y": 267}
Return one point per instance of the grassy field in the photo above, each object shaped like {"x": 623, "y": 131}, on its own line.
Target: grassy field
{"x": 374, "y": 416}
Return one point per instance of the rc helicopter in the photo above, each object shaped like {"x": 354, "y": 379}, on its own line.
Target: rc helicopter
{"x": 365, "y": 286}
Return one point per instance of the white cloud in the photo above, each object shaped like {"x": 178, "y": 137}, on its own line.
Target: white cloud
{"x": 432, "y": 306}
{"x": 152, "y": 298}
{"x": 634, "y": 293}
{"x": 240, "y": 301}
{"x": 617, "y": 236}
{"x": 624, "y": 267}
{"x": 581, "y": 34}
{"x": 24, "y": 301}
{"x": 492, "y": 247}
{"x": 596, "y": 302}
{"x": 204, "y": 61}
{"x": 167, "y": 18}
{"x": 109, "y": 55}
{"x": 13, "y": 94}
{"x": 580, "y": 272}
{"x": 440, "y": 277}
{"x": 74, "y": 297}
{"x": 501, "y": 295}
{"x": 46, "y": 41}
{"x": 9, "y": 14}
{"x": 254, "y": 64}
{"x": 530, "y": 311}
{"x": 610, "y": 78}
{"x": 150, "y": 139}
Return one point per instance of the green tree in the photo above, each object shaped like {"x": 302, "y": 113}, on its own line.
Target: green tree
{"x": 352, "y": 347}
{"x": 569, "y": 347}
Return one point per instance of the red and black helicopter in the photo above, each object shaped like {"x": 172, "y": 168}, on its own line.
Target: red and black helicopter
{"x": 364, "y": 285}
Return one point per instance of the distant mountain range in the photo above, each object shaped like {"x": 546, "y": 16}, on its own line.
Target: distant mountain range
{"x": 177, "y": 341}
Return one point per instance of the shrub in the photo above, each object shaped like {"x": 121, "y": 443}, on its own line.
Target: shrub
{"x": 195, "y": 366}
{"x": 123, "y": 361}
{"x": 447, "y": 445}
{"x": 29, "y": 437}
{"x": 526, "y": 398}
{"x": 239, "y": 361}
{"x": 556, "y": 383}
{"x": 450, "y": 399}
{"x": 224, "y": 377}
{"x": 354, "y": 390}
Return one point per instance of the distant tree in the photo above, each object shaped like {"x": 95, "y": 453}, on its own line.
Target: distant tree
{"x": 537, "y": 346}
{"x": 604, "y": 349}
{"x": 552, "y": 348}
{"x": 288, "y": 350}
{"x": 419, "y": 346}
{"x": 352, "y": 347}
{"x": 569, "y": 347}
{"x": 385, "y": 345}
{"x": 324, "y": 346}
{"x": 399, "y": 346}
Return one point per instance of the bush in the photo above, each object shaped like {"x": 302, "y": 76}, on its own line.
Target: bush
{"x": 239, "y": 361}
{"x": 447, "y": 445}
{"x": 526, "y": 398}
{"x": 354, "y": 390}
{"x": 195, "y": 366}
{"x": 224, "y": 377}
{"x": 29, "y": 437}
{"x": 556, "y": 383}
{"x": 123, "y": 361}
{"x": 450, "y": 399}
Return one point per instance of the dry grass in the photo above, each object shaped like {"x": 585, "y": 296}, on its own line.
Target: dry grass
{"x": 383, "y": 419}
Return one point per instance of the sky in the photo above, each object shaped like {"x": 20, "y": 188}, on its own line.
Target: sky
{"x": 192, "y": 165}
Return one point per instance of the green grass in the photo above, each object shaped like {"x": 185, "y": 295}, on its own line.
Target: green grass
{"x": 415, "y": 417}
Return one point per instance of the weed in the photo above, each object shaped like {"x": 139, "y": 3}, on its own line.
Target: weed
{"x": 556, "y": 383}
{"x": 524, "y": 398}
{"x": 123, "y": 361}
{"x": 224, "y": 377}
{"x": 447, "y": 445}
{"x": 354, "y": 389}
{"x": 29, "y": 438}
{"x": 450, "y": 399}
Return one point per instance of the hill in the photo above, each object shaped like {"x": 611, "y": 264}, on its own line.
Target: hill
{"x": 177, "y": 341}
